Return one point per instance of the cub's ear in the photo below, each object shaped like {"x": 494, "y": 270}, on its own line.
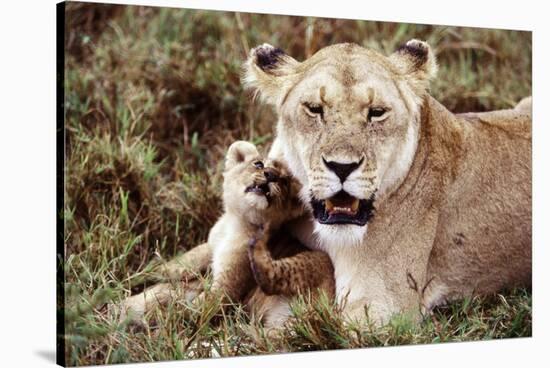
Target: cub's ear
{"x": 416, "y": 61}
{"x": 270, "y": 72}
{"x": 240, "y": 151}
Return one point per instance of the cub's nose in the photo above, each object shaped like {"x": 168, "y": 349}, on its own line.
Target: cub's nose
{"x": 342, "y": 171}
{"x": 271, "y": 174}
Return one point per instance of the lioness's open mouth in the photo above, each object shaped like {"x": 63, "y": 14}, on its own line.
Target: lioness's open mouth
{"x": 343, "y": 209}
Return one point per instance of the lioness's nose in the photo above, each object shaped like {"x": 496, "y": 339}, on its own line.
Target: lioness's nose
{"x": 342, "y": 171}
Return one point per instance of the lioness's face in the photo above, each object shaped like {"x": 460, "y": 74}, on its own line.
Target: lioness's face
{"x": 348, "y": 125}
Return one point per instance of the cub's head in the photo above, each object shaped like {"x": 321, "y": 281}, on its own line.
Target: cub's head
{"x": 349, "y": 121}
{"x": 253, "y": 187}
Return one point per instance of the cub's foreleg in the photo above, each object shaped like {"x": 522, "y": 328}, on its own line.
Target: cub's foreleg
{"x": 290, "y": 276}
{"x": 232, "y": 277}
{"x": 136, "y": 306}
{"x": 189, "y": 264}
{"x": 183, "y": 275}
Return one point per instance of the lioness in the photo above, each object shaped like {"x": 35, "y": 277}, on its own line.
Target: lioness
{"x": 415, "y": 205}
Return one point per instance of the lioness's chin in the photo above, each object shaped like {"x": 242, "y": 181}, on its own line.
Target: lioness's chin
{"x": 330, "y": 236}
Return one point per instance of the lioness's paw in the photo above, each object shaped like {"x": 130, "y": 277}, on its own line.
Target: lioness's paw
{"x": 433, "y": 294}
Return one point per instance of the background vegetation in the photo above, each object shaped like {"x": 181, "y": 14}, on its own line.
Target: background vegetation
{"x": 153, "y": 99}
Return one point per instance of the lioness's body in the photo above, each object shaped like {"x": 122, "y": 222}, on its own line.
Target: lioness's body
{"x": 452, "y": 193}
{"x": 459, "y": 224}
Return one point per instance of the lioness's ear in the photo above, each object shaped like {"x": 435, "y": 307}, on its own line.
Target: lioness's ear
{"x": 269, "y": 71}
{"x": 416, "y": 61}
{"x": 240, "y": 151}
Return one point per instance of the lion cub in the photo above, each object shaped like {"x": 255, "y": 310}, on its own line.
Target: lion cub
{"x": 258, "y": 197}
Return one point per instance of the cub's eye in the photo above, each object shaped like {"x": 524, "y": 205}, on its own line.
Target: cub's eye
{"x": 259, "y": 165}
{"x": 314, "y": 109}
{"x": 376, "y": 112}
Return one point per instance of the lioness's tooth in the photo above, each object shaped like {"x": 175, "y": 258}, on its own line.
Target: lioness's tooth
{"x": 328, "y": 204}
{"x": 355, "y": 205}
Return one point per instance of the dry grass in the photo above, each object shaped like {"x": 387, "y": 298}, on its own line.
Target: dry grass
{"x": 152, "y": 101}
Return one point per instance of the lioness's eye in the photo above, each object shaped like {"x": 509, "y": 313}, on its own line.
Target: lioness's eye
{"x": 375, "y": 112}
{"x": 259, "y": 164}
{"x": 314, "y": 109}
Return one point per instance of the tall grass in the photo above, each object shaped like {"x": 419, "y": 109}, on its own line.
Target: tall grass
{"x": 153, "y": 99}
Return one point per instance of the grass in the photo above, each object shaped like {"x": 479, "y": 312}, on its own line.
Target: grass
{"x": 152, "y": 100}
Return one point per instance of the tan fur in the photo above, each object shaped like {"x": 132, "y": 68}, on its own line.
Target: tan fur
{"x": 291, "y": 275}
{"x": 244, "y": 213}
{"x": 226, "y": 250}
{"x": 184, "y": 283}
{"x": 452, "y": 192}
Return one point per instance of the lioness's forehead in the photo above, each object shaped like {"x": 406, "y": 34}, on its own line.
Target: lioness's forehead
{"x": 346, "y": 77}
{"x": 348, "y": 58}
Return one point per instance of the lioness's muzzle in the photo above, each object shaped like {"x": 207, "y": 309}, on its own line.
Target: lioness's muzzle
{"x": 343, "y": 209}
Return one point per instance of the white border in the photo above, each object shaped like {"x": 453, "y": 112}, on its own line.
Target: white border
{"x": 27, "y": 192}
